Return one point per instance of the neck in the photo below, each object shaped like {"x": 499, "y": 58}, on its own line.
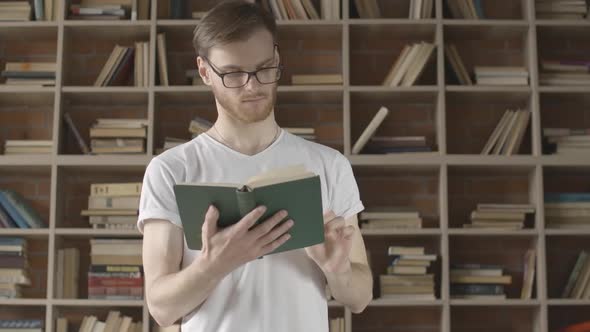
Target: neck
{"x": 248, "y": 139}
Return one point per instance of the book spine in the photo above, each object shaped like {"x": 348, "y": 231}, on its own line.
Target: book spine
{"x": 246, "y": 201}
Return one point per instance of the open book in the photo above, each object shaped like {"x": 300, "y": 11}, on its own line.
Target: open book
{"x": 292, "y": 188}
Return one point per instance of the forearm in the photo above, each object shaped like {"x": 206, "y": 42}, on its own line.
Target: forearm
{"x": 353, "y": 288}
{"x": 175, "y": 295}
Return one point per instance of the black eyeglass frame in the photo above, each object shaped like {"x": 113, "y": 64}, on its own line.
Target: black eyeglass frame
{"x": 250, "y": 73}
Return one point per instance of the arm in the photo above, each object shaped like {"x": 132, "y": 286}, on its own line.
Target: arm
{"x": 353, "y": 286}
{"x": 172, "y": 293}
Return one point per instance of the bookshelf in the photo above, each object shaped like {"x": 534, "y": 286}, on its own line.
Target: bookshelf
{"x": 443, "y": 185}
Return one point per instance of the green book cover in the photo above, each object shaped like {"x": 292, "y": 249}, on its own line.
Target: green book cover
{"x": 292, "y": 189}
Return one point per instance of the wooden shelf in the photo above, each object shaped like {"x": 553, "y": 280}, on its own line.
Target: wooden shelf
{"x": 443, "y": 185}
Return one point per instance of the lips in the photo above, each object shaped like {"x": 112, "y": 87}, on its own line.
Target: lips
{"x": 253, "y": 99}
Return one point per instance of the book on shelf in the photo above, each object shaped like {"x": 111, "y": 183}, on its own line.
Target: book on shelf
{"x": 199, "y": 125}
{"x": 29, "y": 73}
{"x": 28, "y": 325}
{"x": 113, "y": 205}
{"x": 457, "y": 64}
{"x": 27, "y": 146}
{"x": 316, "y": 79}
{"x": 15, "y": 11}
{"x": 501, "y": 75}
{"x": 307, "y": 133}
{"x": 17, "y": 212}
{"x": 421, "y": 9}
{"x": 162, "y": 59}
{"x": 117, "y": 69}
{"x": 506, "y": 138}
{"x": 561, "y": 9}
{"x": 74, "y": 130}
{"x": 397, "y": 144}
{"x": 368, "y": 9}
{"x": 528, "y": 277}
{"x": 14, "y": 267}
{"x": 578, "y": 283}
{"x": 564, "y": 72}
{"x": 370, "y": 130}
{"x": 500, "y": 216}
{"x": 114, "y": 321}
{"x": 407, "y": 274}
{"x": 565, "y": 210}
{"x": 110, "y": 136}
{"x": 67, "y": 273}
{"x": 478, "y": 281}
{"x": 409, "y": 65}
{"x": 336, "y": 325}
{"x": 466, "y": 9}
{"x": 582, "y": 326}
{"x": 566, "y": 141}
{"x": 116, "y": 271}
{"x": 293, "y": 189}
{"x": 390, "y": 218}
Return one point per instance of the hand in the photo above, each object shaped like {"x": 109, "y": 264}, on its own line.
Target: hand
{"x": 332, "y": 255}
{"x": 230, "y": 247}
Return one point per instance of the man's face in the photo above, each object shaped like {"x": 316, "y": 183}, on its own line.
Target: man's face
{"x": 255, "y": 101}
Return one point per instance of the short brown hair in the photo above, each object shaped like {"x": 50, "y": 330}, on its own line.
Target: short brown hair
{"x": 231, "y": 21}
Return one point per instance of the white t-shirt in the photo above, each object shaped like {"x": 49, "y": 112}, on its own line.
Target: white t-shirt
{"x": 280, "y": 292}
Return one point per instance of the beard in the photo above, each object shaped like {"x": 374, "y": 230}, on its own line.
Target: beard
{"x": 246, "y": 112}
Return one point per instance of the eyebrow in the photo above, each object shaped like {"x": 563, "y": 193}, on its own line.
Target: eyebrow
{"x": 228, "y": 67}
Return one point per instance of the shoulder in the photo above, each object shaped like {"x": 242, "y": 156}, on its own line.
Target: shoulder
{"x": 313, "y": 150}
{"x": 175, "y": 160}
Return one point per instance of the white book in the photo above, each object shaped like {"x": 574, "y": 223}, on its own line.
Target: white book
{"x": 370, "y": 130}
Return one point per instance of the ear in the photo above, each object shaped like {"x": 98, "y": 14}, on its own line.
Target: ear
{"x": 203, "y": 72}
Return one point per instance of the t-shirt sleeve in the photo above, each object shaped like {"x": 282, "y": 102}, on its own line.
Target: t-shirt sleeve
{"x": 344, "y": 193}
{"x": 157, "y": 199}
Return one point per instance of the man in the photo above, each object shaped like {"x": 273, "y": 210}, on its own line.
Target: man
{"x": 224, "y": 287}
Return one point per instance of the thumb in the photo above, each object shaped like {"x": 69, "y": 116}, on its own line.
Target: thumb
{"x": 329, "y": 216}
{"x": 209, "y": 227}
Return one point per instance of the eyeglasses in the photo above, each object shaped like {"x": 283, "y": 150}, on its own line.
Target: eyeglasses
{"x": 238, "y": 79}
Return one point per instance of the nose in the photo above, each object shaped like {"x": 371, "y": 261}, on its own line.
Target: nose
{"x": 252, "y": 84}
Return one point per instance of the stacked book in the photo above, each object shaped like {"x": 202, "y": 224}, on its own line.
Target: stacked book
{"x": 337, "y": 325}
{"x": 108, "y": 136}
{"x": 119, "y": 274}
{"x": 17, "y": 212}
{"x": 29, "y": 73}
{"x": 113, "y": 205}
{"x": 457, "y": 65}
{"x": 169, "y": 328}
{"x": 566, "y": 140}
{"x": 478, "y": 281}
{"x": 117, "y": 69}
{"x": 501, "y": 75}
{"x": 27, "y": 146}
{"x": 567, "y": 210}
{"x": 15, "y": 11}
{"x": 199, "y": 125}
{"x": 561, "y": 9}
{"x": 507, "y": 136}
{"x": 578, "y": 282}
{"x": 409, "y": 65}
{"x": 97, "y": 12}
{"x": 466, "y": 9}
{"x": 67, "y": 272}
{"x": 564, "y": 72}
{"x": 113, "y": 322}
{"x": 193, "y": 78}
{"x": 14, "y": 267}
{"x": 390, "y": 219}
{"x": 500, "y": 216}
{"x": 397, "y": 144}
{"x": 407, "y": 276}
{"x": 580, "y": 326}
{"x": 24, "y": 325}
{"x": 420, "y": 9}
{"x": 307, "y": 133}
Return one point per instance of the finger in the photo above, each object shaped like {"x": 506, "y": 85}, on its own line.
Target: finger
{"x": 348, "y": 231}
{"x": 334, "y": 224}
{"x": 249, "y": 220}
{"x": 263, "y": 228}
{"x": 274, "y": 244}
{"x": 276, "y": 233}
{"x": 329, "y": 216}
{"x": 209, "y": 227}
